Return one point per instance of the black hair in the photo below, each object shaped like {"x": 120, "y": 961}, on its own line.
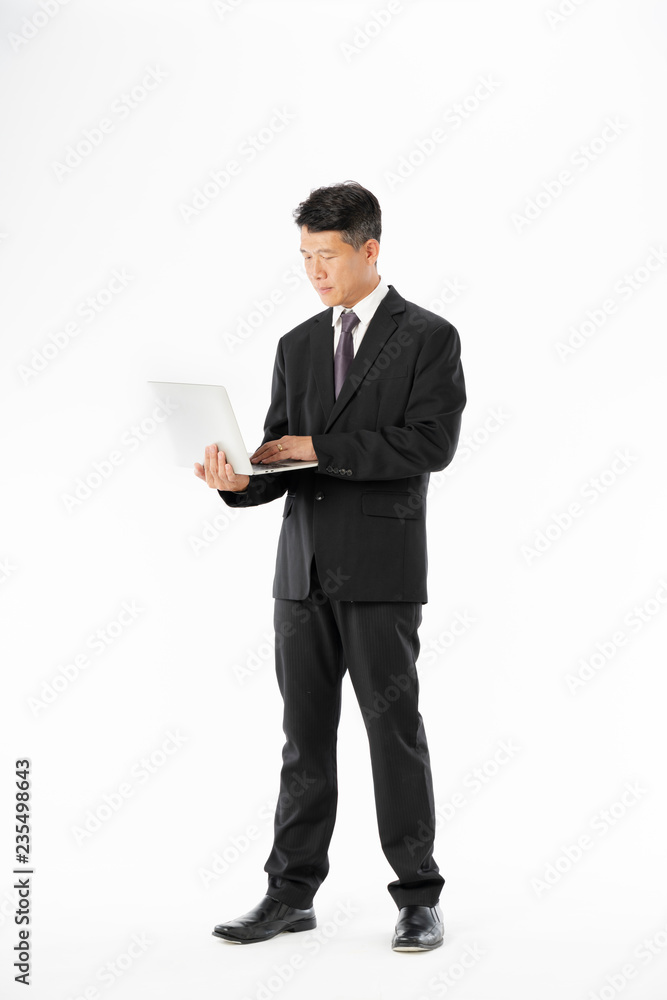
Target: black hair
{"x": 346, "y": 208}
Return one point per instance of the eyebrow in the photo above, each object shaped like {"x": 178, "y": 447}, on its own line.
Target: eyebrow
{"x": 319, "y": 250}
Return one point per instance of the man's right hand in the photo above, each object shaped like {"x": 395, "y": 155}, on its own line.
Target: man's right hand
{"x": 218, "y": 473}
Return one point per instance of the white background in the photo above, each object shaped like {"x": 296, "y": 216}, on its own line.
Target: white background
{"x": 125, "y": 910}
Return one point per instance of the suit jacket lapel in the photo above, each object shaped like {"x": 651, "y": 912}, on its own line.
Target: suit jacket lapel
{"x": 380, "y": 328}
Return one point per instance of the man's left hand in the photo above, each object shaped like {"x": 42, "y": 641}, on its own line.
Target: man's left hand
{"x": 292, "y": 446}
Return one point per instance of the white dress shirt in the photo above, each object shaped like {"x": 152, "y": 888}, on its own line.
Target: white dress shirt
{"x": 364, "y": 309}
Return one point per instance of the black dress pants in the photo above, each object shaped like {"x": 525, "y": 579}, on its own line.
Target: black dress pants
{"x": 317, "y": 640}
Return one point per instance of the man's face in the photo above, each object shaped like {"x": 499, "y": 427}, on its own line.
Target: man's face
{"x": 340, "y": 274}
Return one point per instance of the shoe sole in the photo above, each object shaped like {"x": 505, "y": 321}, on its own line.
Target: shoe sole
{"x": 416, "y": 947}
{"x": 300, "y": 925}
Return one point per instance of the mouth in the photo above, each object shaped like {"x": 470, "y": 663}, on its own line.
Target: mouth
{"x": 323, "y": 291}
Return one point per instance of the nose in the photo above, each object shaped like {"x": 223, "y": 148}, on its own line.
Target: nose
{"x": 318, "y": 270}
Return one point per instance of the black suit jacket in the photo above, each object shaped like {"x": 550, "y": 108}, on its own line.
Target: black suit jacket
{"x": 362, "y": 511}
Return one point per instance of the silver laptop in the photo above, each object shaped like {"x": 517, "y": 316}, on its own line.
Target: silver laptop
{"x": 202, "y": 414}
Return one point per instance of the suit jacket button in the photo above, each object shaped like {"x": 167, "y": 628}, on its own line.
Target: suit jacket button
{"x": 336, "y": 471}
{"x": 329, "y": 468}
{"x": 319, "y": 496}
{"x": 348, "y": 472}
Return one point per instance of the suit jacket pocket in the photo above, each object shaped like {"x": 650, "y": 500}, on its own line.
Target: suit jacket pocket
{"x": 398, "y": 504}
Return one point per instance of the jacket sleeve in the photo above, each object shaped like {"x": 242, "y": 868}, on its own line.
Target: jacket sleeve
{"x": 264, "y": 488}
{"x": 427, "y": 439}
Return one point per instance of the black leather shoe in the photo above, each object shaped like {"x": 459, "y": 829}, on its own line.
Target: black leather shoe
{"x": 419, "y": 928}
{"x": 268, "y": 918}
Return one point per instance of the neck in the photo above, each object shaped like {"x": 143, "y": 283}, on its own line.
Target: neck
{"x": 375, "y": 281}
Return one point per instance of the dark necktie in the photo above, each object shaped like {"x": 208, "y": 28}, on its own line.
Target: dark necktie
{"x": 344, "y": 350}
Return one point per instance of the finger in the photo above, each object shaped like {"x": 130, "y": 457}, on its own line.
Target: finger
{"x": 274, "y": 451}
{"x": 226, "y": 473}
{"x": 280, "y": 450}
{"x": 225, "y": 470}
{"x": 207, "y": 465}
{"x": 211, "y": 464}
{"x": 271, "y": 447}
{"x": 222, "y": 480}
{"x": 229, "y": 477}
{"x": 277, "y": 456}
{"x": 263, "y": 450}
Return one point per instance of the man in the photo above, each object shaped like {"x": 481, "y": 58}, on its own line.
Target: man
{"x": 371, "y": 389}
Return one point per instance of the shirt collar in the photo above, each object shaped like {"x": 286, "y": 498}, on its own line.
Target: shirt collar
{"x": 365, "y": 308}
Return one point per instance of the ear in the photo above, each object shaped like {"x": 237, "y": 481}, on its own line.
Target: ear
{"x": 372, "y": 251}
